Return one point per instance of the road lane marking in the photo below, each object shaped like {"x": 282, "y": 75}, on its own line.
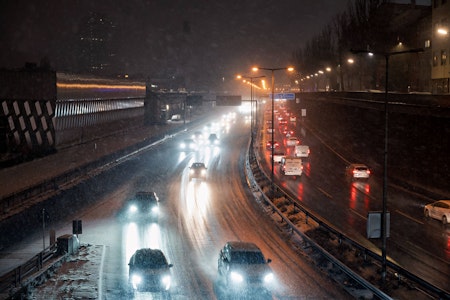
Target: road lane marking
{"x": 325, "y": 193}
{"x": 409, "y": 217}
{"x": 357, "y": 213}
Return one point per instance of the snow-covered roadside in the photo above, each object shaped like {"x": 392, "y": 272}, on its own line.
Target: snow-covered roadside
{"x": 76, "y": 278}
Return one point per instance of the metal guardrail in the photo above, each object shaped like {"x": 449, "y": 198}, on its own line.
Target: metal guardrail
{"x": 400, "y": 272}
{"x": 14, "y": 278}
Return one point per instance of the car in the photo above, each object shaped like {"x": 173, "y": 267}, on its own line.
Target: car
{"x": 358, "y": 171}
{"x": 197, "y": 171}
{"x": 213, "y": 139}
{"x": 270, "y": 130}
{"x": 439, "y": 210}
{"x": 198, "y": 137}
{"x": 292, "y": 141}
{"x": 272, "y": 145}
{"x": 282, "y": 122}
{"x": 278, "y": 155}
{"x": 302, "y": 151}
{"x": 144, "y": 206}
{"x": 242, "y": 266}
{"x": 288, "y": 133}
{"x": 293, "y": 119}
{"x": 188, "y": 145}
{"x": 149, "y": 271}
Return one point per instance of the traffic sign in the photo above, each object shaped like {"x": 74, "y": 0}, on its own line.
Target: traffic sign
{"x": 283, "y": 96}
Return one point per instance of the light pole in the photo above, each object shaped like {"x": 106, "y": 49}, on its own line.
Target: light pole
{"x": 386, "y": 56}
{"x": 272, "y": 70}
{"x": 251, "y": 101}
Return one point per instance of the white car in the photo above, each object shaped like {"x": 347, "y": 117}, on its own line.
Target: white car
{"x": 358, "y": 171}
{"x": 439, "y": 210}
{"x": 292, "y": 141}
{"x": 302, "y": 151}
{"x": 277, "y": 156}
{"x": 293, "y": 118}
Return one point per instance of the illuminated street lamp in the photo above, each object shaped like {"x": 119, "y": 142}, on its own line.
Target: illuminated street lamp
{"x": 251, "y": 101}
{"x": 272, "y": 70}
{"x": 386, "y": 56}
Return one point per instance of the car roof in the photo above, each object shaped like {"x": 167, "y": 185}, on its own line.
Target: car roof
{"x": 149, "y": 257}
{"x": 242, "y": 246}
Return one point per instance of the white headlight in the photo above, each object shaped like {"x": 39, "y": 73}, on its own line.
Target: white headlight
{"x": 155, "y": 209}
{"x": 268, "y": 278}
{"x": 166, "y": 280}
{"x": 236, "y": 277}
{"x": 133, "y": 208}
{"x": 136, "y": 280}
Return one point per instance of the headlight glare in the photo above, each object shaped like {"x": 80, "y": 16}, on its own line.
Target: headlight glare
{"x": 268, "y": 278}
{"x": 236, "y": 277}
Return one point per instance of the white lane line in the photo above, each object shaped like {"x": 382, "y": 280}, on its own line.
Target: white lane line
{"x": 325, "y": 193}
{"x": 409, "y": 217}
{"x": 100, "y": 276}
{"x": 358, "y": 214}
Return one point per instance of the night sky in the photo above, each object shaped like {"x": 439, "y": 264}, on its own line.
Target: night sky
{"x": 192, "y": 38}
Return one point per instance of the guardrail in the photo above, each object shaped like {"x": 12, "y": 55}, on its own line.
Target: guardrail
{"x": 15, "y": 278}
{"x": 255, "y": 169}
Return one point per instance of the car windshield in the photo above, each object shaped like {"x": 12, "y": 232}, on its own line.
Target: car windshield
{"x": 154, "y": 259}
{"x": 198, "y": 165}
{"x": 247, "y": 257}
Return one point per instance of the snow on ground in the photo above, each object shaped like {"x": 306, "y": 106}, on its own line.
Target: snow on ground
{"x": 76, "y": 278}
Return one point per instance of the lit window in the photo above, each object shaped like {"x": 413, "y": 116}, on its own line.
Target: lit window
{"x": 435, "y": 59}
{"x": 427, "y": 44}
{"x": 443, "y": 57}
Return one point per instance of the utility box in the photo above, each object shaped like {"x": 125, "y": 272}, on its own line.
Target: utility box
{"x": 374, "y": 224}
{"x": 68, "y": 243}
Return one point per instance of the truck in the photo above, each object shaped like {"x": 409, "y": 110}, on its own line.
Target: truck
{"x": 301, "y": 151}
{"x": 291, "y": 166}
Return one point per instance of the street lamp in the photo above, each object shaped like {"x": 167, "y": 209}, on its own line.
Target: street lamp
{"x": 272, "y": 70}
{"x": 386, "y": 55}
{"x": 251, "y": 101}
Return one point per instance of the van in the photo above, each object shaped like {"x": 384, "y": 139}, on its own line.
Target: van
{"x": 291, "y": 166}
{"x": 302, "y": 151}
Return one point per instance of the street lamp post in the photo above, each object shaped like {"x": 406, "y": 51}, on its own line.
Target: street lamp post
{"x": 252, "y": 121}
{"x": 272, "y": 70}
{"x": 386, "y": 56}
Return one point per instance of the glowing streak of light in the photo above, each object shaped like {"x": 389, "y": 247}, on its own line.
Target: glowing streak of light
{"x": 98, "y": 86}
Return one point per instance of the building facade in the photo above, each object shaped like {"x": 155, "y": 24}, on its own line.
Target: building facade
{"x": 440, "y": 45}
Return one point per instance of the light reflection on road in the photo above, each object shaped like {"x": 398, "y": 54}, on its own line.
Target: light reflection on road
{"x": 139, "y": 235}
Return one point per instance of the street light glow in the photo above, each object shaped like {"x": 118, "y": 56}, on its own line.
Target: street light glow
{"x": 442, "y": 31}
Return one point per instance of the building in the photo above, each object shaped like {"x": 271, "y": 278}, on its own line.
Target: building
{"x": 440, "y": 45}
{"x": 95, "y": 47}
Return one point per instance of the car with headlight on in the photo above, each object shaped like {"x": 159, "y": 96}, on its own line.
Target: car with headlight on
{"x": 188, "y": 145}
{"x": 197, "y": 171}
{"x": 439, "y": 210}
{"x": 144, "y": 206}
{"x": 358, "y": 172}
{"x": 243, "y": 267}
{"x": 149, "y": 271}
{"x": 213, "y": 139}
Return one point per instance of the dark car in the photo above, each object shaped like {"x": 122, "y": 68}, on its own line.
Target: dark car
{"x": 272, "y": 145}
{"x": 242, "y": 267}
{"x": 149, "y": 271}
{"x": 213, "y": 139}
{"x": 188, "y": 145}
{"x": 197, "y": 171}
{"x": 144, "y": 206}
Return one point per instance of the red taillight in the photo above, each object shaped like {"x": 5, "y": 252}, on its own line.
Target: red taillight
{"x": 368, "y": 171}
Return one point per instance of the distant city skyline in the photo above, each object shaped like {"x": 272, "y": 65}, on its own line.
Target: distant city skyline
{"x": 194, "y": 39}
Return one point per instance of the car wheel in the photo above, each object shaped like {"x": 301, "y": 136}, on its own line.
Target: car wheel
{"x": 427, "y": 214}
{"x": 444, "y": 220}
